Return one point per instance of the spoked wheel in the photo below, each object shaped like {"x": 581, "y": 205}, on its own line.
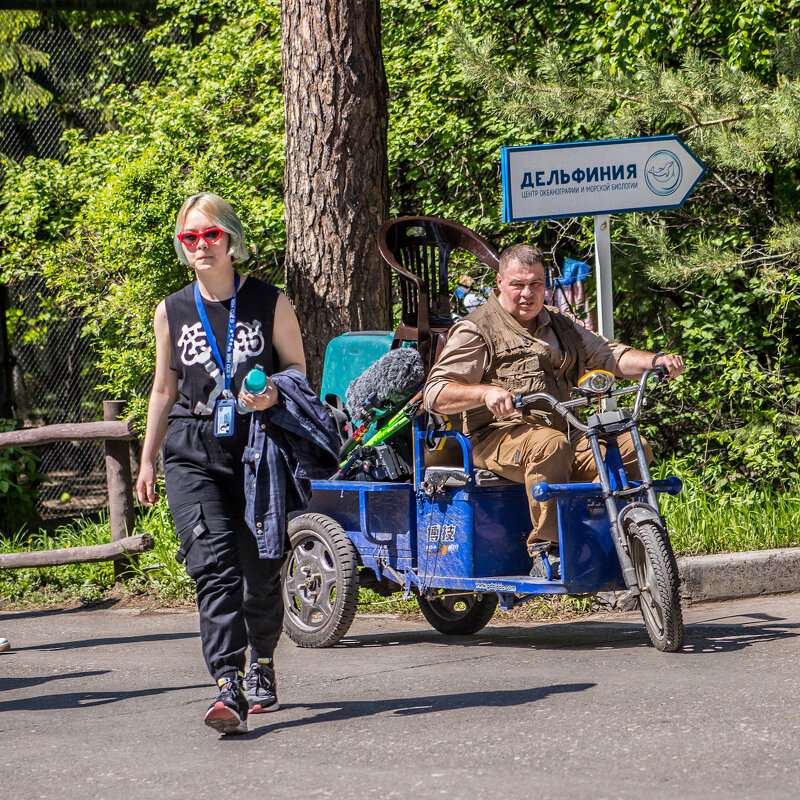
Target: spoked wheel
{"x": 320, "y": 582}
{"x": 458, "y": 613}
{"x": 657, "y": 575}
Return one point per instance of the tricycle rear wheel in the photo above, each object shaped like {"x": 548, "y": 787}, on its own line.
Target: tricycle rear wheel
{"x": 458, "y": 613}
{"x": 320, "y": 582}
{"x": 657, "y": 576}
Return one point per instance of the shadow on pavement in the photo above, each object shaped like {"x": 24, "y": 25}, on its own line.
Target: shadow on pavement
{"x": 110, "y": 640}
{"x": 13, "y": 684}
{"x": 410, "y": 706}
{"x": 73, "y": 700}
{"x": 38, "y": 613}
{"x": 721, "y": 635}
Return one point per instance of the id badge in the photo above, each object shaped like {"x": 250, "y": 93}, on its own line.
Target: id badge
{"x": 224, "y": 417}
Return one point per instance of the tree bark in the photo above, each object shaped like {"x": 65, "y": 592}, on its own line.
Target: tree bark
{"x": 336, "y": 178}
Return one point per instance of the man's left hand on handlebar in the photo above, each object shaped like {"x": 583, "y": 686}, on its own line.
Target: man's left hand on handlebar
{"x": 632, "y": 364}
{"x": 672, "y": 362}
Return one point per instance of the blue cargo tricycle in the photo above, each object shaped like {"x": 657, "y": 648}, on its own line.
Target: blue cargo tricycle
{"x": 454, "y": 536}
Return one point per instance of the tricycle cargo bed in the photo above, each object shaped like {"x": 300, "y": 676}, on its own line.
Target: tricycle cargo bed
{"x": 380, "y": 518}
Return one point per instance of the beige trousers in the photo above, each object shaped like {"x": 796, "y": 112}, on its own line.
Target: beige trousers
{"x": 528, "y": 453}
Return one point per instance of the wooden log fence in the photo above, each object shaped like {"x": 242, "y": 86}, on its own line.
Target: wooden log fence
{"x": 78, "y": 555}
{"x": 116, "y": 435}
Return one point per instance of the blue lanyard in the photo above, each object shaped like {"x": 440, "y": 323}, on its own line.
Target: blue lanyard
{"x": 228, "y": 365}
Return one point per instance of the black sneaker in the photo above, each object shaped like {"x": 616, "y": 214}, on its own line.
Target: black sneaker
{"x": 261, "y": 688}
{"x": 228, "y": 713}
{"x": 546, "y": 561}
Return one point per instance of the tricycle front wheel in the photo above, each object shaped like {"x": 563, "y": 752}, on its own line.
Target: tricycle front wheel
{"x": 320, "y": 582}
{"x": 657, "y": 576}
{"x": 458, "y": 613}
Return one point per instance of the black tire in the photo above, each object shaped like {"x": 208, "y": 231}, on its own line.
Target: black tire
{"x": 657, "y": 575}
{"x": 458, "y": 613}
{"x": 320, "y": 582}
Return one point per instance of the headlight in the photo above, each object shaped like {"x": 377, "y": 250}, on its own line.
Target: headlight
{"x": 598, "y": 381}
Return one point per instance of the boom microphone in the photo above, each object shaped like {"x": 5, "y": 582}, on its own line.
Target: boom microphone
{"x": 389, "y": 382}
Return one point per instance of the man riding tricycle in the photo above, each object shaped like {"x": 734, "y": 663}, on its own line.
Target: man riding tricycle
{"x": 527, "y": 499}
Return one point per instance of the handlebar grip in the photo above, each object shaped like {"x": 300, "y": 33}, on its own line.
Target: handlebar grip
{"x": 662, "y": 371}
{"x": 518, "y": 398}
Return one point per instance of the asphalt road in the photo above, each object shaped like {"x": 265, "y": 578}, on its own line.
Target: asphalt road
{"x": 109, "y": 704}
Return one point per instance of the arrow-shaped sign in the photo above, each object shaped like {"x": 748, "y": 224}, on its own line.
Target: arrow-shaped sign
{"x": 580, "y": 179}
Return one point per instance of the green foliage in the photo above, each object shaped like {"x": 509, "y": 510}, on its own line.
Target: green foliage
{"x": 48, "y": 585}
{"x": 100, "y": 224}
{"x": 19, "y": 93}
{"x": 716, "y": 279}
{"x": 19, "y": 485}
{"x": 155, "y": 572}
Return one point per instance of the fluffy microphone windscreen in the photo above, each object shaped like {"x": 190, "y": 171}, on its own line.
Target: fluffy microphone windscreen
{"x": 393, "y": 379}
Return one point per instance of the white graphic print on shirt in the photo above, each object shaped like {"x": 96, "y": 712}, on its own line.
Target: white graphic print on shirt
{"x": 248, "y": 341}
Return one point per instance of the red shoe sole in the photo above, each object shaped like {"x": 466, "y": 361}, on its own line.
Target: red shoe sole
{"x": 222, "y": 719}
{"x": 261, "y": 710}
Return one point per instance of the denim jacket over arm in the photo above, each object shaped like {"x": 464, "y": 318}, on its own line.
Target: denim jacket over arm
{"x": 290, "y": 444}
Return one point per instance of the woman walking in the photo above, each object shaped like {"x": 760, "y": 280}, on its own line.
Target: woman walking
{"x": 209, "y": 336}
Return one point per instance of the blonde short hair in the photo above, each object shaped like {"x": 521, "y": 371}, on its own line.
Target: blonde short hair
{"x": 221, "y": 213}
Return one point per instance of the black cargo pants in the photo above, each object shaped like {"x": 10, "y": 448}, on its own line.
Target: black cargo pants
{"x": 238, "y": 594}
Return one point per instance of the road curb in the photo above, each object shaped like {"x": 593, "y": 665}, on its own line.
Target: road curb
{"x": 729, "y": 576}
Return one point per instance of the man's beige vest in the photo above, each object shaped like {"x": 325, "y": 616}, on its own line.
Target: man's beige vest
{"x": 519, "y": 363}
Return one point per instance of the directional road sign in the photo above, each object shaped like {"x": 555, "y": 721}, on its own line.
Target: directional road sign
{"x": 583, "y": 179}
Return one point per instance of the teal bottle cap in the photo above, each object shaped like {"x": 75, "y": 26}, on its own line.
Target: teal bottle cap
{"x": 256, "y": 380}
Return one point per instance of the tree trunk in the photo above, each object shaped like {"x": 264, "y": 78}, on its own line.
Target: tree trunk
{"x": 336, "y": 179}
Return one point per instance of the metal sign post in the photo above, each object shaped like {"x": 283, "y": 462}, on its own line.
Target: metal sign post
{"x": 602, "y": 262}
{"x": 605, "y": 294}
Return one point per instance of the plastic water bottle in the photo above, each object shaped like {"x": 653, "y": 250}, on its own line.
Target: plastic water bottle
{"x": 255, "y": 382}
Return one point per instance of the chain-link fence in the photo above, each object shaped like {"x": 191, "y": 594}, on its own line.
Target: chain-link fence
{"x": 82, "y": 62}
{"x": 54, "y": 382}
{"x": 52, "y": 364}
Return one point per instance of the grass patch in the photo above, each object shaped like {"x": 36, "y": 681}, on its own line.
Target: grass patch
{"x": 156, "y": 573}
{"x": 46, "y": 586}
{"x": 370, "y": 602}
{"x": 705, "y": 518}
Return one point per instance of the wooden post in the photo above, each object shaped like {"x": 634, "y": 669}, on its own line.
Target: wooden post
{"x": 120, "y": 486}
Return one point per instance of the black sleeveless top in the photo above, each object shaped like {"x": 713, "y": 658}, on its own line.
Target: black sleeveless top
{"x": 200, "y": 379}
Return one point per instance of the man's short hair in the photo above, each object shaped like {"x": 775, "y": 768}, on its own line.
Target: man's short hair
{"x": 525, "y": 254}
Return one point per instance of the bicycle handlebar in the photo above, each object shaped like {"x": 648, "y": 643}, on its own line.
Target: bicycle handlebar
{"x": 659, "y": 372}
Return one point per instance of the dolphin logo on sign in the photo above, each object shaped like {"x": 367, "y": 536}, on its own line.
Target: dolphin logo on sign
{"x": 663, "y": 172}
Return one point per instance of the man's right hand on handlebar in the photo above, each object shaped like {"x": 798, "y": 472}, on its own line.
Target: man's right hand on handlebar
{"x": 499, "y": 401}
